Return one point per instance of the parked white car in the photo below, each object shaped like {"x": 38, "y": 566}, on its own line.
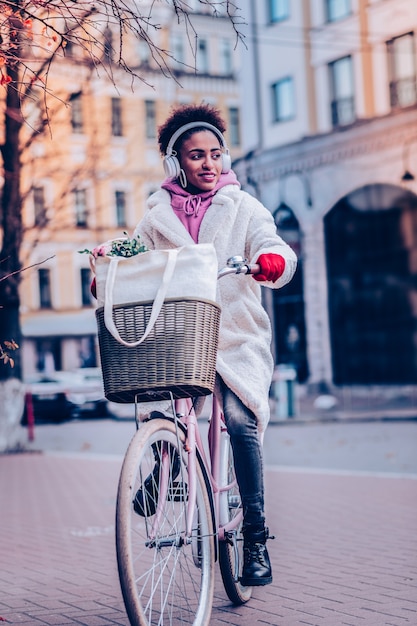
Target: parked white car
{"x": 46, "y": 399}
{"x": 86, "y": 392}
{"x": 62, "y": 395}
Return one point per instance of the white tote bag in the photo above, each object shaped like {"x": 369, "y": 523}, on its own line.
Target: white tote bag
{"x": 153, "y": 276}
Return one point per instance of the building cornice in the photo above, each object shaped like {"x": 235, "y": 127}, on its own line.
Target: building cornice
{"x": 365, "y": 137}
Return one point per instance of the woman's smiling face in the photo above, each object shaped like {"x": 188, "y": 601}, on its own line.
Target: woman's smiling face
{"x": 200, "y": 157}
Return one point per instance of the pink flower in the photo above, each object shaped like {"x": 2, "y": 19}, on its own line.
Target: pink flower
{"x": 102, "y": 250}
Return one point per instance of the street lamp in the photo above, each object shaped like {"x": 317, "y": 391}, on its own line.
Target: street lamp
{"x": 407, "y": 176}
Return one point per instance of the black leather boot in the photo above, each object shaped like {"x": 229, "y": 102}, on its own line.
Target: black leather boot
{"x": 146, "y": 498}
{"x": 256, "y": 564}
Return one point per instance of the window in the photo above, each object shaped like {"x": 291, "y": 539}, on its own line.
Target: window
{"x": 48, "y": 353}
{"x": 336, "y": 9}
{"x": 177, "y": 48}
{"x": 402, "y": 70}
{"x": 143, "y": 52}
{"x": 120, "y": 199}
{"x": 108, "y": 46}
{"x": 150, "y": 119}
{"x": 45, "y": 299}
{"x": 87, "y": 351}
{"x": 202, "y": 57}
{"x": 39, "y": 206}
{"x": 80, "y": 203}
{"x": 342, "y": 92}
{"x": 283, "y": 100}
{"x": 234, "y": 126}
{"x": 86, "y": 297}
{"x": 279, "y": 10}
{"x": 116, "y": 117}
{"x": 68, "y": 48}
{"x": 77, "y": 121}
{"x": 226, "y": 65}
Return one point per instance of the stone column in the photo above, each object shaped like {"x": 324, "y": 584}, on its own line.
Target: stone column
{"x": 316, "y": 304}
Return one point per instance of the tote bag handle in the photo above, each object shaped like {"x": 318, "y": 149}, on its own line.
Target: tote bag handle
{"x": 157, "y": 303}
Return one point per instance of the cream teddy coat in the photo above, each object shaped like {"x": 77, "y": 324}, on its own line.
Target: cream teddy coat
{"x": 237, "y": 224}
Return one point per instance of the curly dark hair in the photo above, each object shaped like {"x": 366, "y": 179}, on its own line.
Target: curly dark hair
{"x": 184, "y": 115}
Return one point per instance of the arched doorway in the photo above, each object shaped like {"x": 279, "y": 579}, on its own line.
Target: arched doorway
{"x": 371, "y": 254}
{"x": 289, "y": 314}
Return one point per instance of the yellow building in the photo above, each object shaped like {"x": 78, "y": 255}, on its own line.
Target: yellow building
{"x": 87, "y": 180}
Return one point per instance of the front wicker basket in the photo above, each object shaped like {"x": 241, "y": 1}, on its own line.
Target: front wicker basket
{"x": 178, "y": 356}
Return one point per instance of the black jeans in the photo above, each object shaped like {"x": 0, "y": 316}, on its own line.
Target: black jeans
{"x": 248, "y": 458}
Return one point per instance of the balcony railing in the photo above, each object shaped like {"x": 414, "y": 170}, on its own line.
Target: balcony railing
{"x": 343, "y": 111}
{"x": 403, "y": 92}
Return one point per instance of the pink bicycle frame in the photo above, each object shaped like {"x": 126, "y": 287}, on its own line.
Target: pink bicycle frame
{"x": 183, "y": 408}
{"x": 217, "y": 430}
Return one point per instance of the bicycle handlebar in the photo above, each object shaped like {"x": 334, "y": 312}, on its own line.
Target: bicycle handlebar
{"x": 238, "y": 265}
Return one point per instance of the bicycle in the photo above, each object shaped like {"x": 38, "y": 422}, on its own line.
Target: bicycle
{"x": 178, "y": 512}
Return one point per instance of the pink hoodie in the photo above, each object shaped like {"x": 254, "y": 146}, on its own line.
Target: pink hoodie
{"x": 190, "y": 208}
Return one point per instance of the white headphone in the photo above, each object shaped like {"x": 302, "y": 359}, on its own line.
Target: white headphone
{"x": 172, "y": 166}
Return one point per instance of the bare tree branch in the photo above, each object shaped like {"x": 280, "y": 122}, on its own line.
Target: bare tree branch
{"x": 96, "y": 37}
{"x": 49, "y": 27}
{"x": 23, "y": 269}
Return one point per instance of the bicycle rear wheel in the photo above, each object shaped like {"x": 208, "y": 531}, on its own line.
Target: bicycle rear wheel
{"x": 231, "y": 551}
{"x": 165, "y": 578}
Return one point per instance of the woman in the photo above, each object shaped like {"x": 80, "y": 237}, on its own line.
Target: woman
{"x": 201, "y": 201}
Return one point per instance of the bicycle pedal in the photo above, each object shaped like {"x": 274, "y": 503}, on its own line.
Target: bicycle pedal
{"x": 230, "y": 537}
{"x": 178, "y": 492}
{"x": 234, "y": 502}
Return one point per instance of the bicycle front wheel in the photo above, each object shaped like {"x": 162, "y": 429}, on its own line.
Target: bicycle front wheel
{"x": 231, "y": 548}
{"x": 165, "y": 576}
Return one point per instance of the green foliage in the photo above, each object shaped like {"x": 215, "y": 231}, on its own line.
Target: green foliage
{"x": 122, "y": 246}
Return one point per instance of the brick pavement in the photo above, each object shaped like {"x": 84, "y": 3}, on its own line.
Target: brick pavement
{"x": 345, "y": 553}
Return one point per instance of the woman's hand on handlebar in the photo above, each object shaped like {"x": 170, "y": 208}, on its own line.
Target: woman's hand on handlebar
{"x": 268, "y": 268}
{"x": 271, "y": 267}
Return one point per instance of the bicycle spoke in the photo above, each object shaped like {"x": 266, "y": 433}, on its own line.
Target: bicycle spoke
{"x": 231, "y": 552}
{"x": 165, "y": 577}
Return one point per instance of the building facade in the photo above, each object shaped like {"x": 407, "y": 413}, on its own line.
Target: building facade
{"x": 334, "y": 157}
{"x": 88, "y": 180}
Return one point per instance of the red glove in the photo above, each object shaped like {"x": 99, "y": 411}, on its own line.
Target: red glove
{"x": 93, "y": 288}
{"x": 272, "y": 267}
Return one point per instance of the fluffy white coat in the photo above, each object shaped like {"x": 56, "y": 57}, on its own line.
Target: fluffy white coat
{"x": 237, "y": 224}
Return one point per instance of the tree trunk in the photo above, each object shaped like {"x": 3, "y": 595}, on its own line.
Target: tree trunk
{"x": 13, "y": 436}
{"x": 11, "y": 217}
{"x": 11, "y": 388}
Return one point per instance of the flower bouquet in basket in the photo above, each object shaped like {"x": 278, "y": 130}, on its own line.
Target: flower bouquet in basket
{"x": 121, "y": 246}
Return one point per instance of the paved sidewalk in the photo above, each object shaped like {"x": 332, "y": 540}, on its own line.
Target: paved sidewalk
{"x": 349, "y": 404}
{"x": 345, "y": 553}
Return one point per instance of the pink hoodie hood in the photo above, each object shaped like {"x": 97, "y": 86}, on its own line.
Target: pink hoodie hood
{"x": 191, "y": 208}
